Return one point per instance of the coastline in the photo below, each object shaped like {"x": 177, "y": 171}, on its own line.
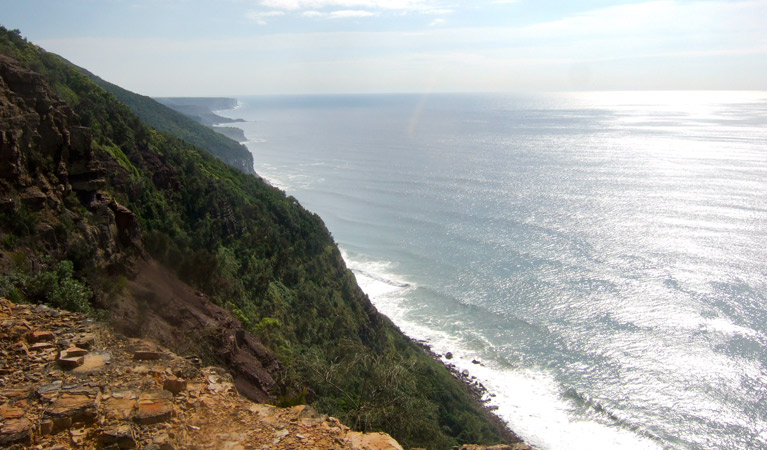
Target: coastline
{"x": 475, "y": 387}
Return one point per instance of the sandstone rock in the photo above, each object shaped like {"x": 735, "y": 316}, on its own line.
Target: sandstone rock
{"x": 130, "y": 409}
{"x": 46, "y": 427}
{"x": 93, "y": 361}
{"x": 174, "y": 385}
{"x": 33, "y": 198}
{"x": 162, "y": 441}
{"x": 71, "y": 409}
{"x": 153, "y": 407}
{"x": 304, "y": 412}
{"x": 371, "y": 441}
{"x": 42, "y": 346}
{"x": 146, "y": 355}
{"x": 121, "y": 435}
{"x": 16, "y": 431}
{"x": 119, "y": 408}
{"x": 85, "y": 340}
{"x": 70, "y": 363}
{"x": 75, "y": 351}
{"x": 77, "y": 436}
{"x": 49, "y": 391}
{"x": 9, "y": 412}
{"x": 17, "y": 393}
{"x": 279, "y": 435}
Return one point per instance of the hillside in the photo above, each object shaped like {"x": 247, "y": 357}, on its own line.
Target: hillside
{"x": 103, "y": 214}
{"x": 190, "y": 130}
{"x": 201, "y": 109}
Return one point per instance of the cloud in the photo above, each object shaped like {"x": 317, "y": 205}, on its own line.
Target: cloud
{"x": 342, "y": 14}
{"x": 392, "y": 5}
{"x": 345, "y": 9}
{"x": 260, "y": 16}
{"x": 657, "y": 44}
{"x": 437, "y": 22}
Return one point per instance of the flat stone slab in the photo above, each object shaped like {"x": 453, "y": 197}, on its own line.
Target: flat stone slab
{"x": 69, "y": 409}
{"x": 71, "y": 363}
{"x": 372, "y": 441}
{"x": 42, "y": 346}
{"x": 154, "y": 407}
{"x": 85, "y": 340}
{"x": 16, "y": 393}
{"x": 146, "y": 355}
{"x": 15, "y": 431}
{"x": 119, "y": 408}
{"x": 76, "y": 351}
{"x": 37, "y": 336}
{"x": 9, "y": 412}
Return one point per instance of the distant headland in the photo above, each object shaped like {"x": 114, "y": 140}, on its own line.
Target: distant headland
{"x": 202, "y": 110}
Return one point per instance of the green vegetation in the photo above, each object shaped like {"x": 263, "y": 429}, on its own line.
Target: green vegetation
{"x": 56, "y": 287}
{"x": 166, "y": 119}
{"x": 253, "y": 250}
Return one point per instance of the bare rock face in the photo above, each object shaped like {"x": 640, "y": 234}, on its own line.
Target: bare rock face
{"x": 163, "y": 308}
{"x": 45, "y": 156}
{"x": 38, "y": 129}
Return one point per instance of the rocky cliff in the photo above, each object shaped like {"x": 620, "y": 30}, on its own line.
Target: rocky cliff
{"x": 47, "y": 157}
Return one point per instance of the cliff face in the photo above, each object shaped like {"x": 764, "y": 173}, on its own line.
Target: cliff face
{"x": 46, "y": 157}
{"x": 48, "y": 168}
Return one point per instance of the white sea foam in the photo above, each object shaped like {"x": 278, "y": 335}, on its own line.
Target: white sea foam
{"x": 529, "y": 399}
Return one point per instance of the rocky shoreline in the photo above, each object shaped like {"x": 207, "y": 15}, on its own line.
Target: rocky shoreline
{"x": 476, "y": 389}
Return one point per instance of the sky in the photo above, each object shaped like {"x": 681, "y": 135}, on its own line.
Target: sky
{"x": 244, "y": 47}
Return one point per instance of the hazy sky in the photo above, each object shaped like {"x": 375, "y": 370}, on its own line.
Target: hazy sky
{"x": 231, "y": 47}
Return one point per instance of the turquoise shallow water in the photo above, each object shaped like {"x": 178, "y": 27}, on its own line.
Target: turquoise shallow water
{"x": 602, "y": 254}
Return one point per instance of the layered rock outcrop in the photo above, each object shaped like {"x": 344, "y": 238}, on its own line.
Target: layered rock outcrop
{"x": 45, "y": 156}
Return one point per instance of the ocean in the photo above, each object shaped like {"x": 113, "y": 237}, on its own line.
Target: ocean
{"x": 602, "y": 255}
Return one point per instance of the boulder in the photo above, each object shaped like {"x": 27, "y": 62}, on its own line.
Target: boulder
{"x": 371, "y": 441}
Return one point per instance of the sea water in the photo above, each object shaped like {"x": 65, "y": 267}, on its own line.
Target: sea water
{"x": 602, "y": 255}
